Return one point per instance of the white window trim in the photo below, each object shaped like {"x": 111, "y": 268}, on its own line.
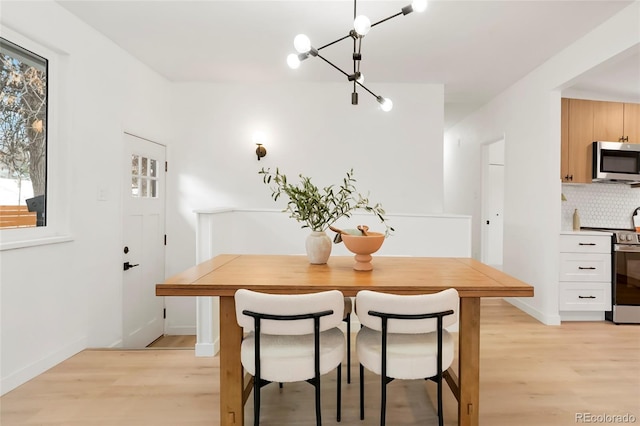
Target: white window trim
{"x": 58, "y": 164}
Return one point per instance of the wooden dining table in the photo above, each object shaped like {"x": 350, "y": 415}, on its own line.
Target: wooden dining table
{"x": 224, "y": 274}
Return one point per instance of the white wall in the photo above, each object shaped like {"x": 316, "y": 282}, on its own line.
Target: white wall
{"x": 238, "y": 231}
{"x": 528, "y": 115}
{"x": 58, "y": 299}
{"x": 311, "y": 129}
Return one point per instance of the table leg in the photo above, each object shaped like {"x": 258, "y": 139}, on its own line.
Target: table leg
{"x": 469, "y": 361}
{"x": 231, "y": 386}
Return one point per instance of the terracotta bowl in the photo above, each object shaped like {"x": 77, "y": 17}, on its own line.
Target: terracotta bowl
{"x": 363, "y": 247}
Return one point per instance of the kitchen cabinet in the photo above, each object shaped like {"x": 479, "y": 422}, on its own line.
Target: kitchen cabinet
{"x": 576, "y": 140}
{"x": 616, "y": 122}
{"x": 608, "y": 121}
{"x": 632, "y": 122}
{"x": 584, "y": 283}
{"x": 585, "y": 121}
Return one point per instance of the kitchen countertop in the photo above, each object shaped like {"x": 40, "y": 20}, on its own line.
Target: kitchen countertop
{"x": 586, "y": 232}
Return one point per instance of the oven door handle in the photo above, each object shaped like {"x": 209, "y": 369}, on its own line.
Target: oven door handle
{"x": 628, "y": 248}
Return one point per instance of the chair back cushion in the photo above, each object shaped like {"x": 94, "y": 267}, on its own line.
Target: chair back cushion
{"x": 404, "y": 304}
{"x": 289, "y": 304}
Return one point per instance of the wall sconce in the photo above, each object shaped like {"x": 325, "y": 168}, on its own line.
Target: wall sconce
{"x": 259, "y": 139}
{"x": 261, "y": 151}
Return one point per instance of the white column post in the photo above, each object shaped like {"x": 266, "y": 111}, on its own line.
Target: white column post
{"x": 207, "y": 308}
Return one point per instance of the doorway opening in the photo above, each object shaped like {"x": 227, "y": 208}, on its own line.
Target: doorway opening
{"x": 492, "y": 227}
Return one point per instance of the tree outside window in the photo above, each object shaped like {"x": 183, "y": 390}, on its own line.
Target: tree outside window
{"x": 23, "y": 137}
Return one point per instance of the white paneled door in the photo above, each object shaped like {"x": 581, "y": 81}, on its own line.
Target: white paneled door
{"x": 143, "y": 248}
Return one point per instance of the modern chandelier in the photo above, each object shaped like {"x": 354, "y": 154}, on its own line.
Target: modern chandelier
{"x": 361, "y": 27}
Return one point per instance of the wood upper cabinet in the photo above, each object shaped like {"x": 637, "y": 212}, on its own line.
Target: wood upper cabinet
{"x": 632, "y": 123}
{"x": 608, "y": 121}
{"x": 616, "y": 122}
{"x": 576, "y": 140}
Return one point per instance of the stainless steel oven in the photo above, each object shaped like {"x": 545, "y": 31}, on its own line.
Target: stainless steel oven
{"x": 625, "y": 278}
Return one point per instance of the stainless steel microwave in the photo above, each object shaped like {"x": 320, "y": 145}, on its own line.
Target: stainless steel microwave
{"x": 616, "y": 162}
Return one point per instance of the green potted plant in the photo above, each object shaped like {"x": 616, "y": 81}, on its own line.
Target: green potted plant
{"x": 317, "y": 209}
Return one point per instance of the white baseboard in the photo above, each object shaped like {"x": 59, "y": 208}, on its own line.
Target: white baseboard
{"x": 208, "y": 349}
{"x": 32, "y": 370}
{"x": 545, "y": 318}
{"x": 116, "y": 344}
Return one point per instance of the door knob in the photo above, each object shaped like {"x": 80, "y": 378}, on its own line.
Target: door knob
{"x": 128, "y": 265}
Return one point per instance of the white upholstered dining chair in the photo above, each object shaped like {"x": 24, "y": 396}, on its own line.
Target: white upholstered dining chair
{"x": 403, "y": 337}
{"x": 291, "y": 338}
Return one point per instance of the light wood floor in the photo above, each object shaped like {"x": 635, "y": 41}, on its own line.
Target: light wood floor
{"x": 531, "y": 375}
{"x": 174, "y": 342}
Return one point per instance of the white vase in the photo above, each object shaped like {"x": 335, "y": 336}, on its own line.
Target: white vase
{"x": 318, "y": 245}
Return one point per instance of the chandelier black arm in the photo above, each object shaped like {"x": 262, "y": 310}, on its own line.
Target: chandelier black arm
{"x": 332, "y": 64}
{"x": 386, "y": 19}
{"x": 336, "y": 41}
{"x": 365, "y": 88}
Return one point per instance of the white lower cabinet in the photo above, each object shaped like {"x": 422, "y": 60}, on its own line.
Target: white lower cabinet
{"x": 585, "y": 275}
{"x": 585, "y": 297}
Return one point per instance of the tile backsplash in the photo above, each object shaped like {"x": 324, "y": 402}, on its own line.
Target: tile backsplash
{"x": 600, "y": 205}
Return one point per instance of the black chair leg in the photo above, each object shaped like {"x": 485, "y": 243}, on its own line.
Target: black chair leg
{"x": 339, "y": 393}
{"x": 348, "y": 320}
{"x": 256, "y": 402}
{"x": 318, "y": 412}
{"x": 440, "y": 413}
{"x": 383, "y": 400}
{"x": 361, "y": 392}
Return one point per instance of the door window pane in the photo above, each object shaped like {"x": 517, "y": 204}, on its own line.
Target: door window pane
{"x": 135, "y": 190}
{"x": 153, "y": 191}
{"x": 135, "y": 165}
{"x": 153, "y": 168}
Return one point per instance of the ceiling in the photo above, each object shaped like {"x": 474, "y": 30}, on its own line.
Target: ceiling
{"x": 475, "y": 48}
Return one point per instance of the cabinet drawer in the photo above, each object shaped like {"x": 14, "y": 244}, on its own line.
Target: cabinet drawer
{"x": 585, "y": 297}
{"x": 585, "y": 267}
{"x": 585, "y": 244}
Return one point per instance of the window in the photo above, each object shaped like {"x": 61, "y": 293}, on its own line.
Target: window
{"x": 144, "y": 177}
{"x": 23, "y": 137}
{"x": 53, "y": 177}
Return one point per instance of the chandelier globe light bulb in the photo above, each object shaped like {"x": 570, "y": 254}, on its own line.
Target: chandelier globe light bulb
{"x": 419, "y": 5}
{"x": 360, "y": 79}
{"x": 386, "y": 105}
{"x": 362, "y": 25}
{"x": 302, "y": 43}
{"x": 293, "y": 61}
